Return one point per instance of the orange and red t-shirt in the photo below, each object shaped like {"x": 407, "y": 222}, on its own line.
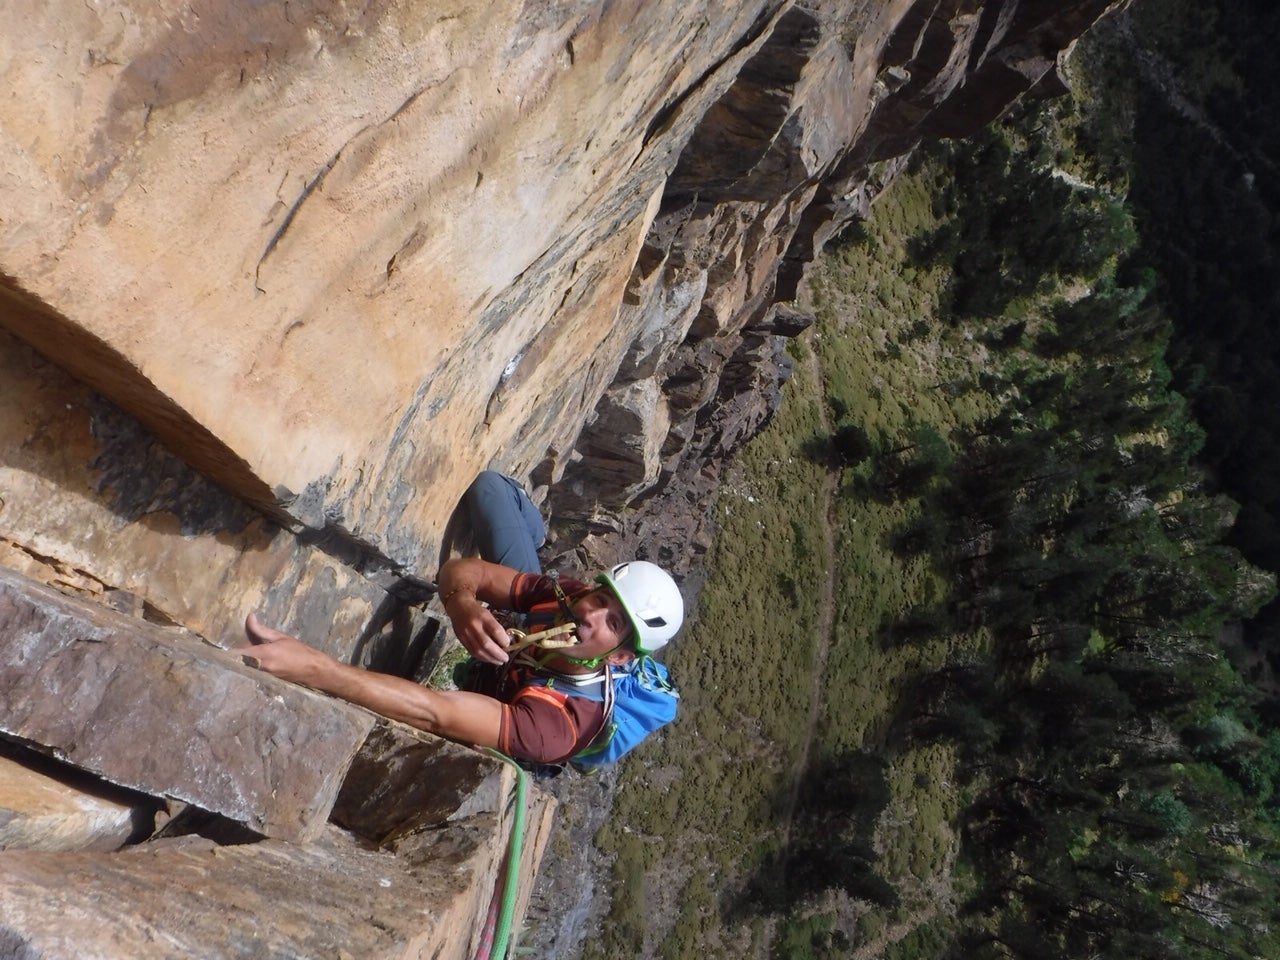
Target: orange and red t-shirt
{"x": 539, "y": 723}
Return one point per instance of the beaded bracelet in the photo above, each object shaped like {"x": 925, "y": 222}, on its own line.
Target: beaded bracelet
{"x": 449, "y": 596}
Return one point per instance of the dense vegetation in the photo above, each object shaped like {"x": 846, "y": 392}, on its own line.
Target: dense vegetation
{"x": 1037, "y": 733}
{"x": 1123, "y": 784}
{"x": 1202, "y": 118}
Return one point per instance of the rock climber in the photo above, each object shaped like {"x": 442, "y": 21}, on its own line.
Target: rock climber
{"x": 548, "y": 702}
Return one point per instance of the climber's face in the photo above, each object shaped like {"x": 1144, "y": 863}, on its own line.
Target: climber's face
{"x": 603, "y": 626}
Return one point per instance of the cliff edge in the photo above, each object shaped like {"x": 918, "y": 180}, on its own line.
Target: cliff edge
{"x": 277, "y": 280}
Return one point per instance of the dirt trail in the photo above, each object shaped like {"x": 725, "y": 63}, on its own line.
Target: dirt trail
{"x": 936, "y": 891}
{"x": 826, "y": 605}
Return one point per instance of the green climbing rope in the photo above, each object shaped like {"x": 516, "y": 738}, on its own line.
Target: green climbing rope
{"x": 497, "y": 949}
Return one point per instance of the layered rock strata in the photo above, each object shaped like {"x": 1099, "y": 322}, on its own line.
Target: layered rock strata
{"x": 96, "y": 688}
{"x": 42, "y": 812}
{"x": 238, "y": 756}
{"x": 425, "y": 898}
{"x": 156, "y": 710}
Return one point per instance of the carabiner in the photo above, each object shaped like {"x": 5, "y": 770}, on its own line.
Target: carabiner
{"x": 543, "y": 638}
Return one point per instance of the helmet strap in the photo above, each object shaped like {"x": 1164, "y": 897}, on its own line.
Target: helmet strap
{"x": 590, "y": 663}
{"x": 565, "y": 607}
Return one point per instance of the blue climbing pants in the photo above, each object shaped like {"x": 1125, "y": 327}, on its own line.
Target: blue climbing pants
{"x": 507, "y": 526}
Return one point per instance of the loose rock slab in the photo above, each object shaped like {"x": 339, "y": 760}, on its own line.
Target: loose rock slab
{"x": 191, "y": 898}
{"x": 38, "y": 812}
{"x": 403, "y": 781}
{"x": 159, "y": 711}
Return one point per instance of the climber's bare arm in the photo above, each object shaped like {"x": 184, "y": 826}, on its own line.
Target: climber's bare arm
{"x": 466, "y": 584}
{"x": 458, "y": 715}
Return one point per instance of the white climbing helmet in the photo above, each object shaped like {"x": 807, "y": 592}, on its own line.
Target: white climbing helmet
{"x": 652, "y": 601}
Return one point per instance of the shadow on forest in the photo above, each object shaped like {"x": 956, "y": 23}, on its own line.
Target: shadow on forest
{"x": 832, "y": 828}
{"x": 846, "y": 446}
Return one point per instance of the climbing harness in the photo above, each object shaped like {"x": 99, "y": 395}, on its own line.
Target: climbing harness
{"x": 637, "y": 698}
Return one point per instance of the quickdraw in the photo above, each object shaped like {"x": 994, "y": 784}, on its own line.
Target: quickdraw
{"x": 550, "y": 639}
{"x": 547, "y": 639}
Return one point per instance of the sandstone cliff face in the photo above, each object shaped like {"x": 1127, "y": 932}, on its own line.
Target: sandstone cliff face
{"x": 338, "y": 259}
{"x": 277, "y": 280}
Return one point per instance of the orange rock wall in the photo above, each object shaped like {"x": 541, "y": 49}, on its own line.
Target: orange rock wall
{"x": 277, "y": 280}
{"x": 338, "y": 258}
